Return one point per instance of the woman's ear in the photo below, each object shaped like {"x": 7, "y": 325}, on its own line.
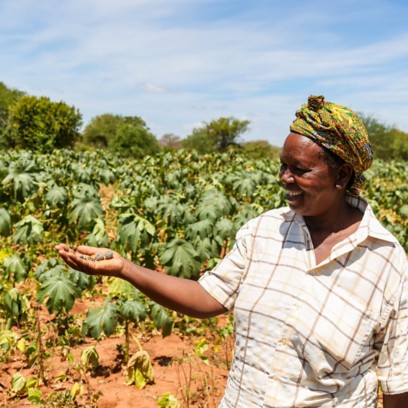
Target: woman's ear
{"x": 344, "y": 175}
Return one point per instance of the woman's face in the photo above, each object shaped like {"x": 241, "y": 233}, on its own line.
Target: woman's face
{"x": 309, "y": 182}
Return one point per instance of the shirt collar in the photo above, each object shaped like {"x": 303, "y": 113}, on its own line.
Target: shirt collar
{"x": 369, "y": 226}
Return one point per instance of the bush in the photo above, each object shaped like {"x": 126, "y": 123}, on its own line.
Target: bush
{"x": 39, "y": 124}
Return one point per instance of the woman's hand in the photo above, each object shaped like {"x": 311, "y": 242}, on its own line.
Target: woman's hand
{"x": 91, "y": 260}
{"x": 182, "y": 295}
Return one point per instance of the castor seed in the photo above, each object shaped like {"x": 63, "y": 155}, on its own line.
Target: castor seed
{"x": 99, "y": 256}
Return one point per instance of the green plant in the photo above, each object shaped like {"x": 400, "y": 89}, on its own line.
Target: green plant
{"x": 168, "y": 400}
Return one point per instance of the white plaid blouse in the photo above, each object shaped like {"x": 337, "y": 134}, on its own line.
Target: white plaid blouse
{"x": 310, "y": 335}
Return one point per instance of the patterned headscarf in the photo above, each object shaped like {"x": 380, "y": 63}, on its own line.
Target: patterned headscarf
{"x": 339, "y": 130}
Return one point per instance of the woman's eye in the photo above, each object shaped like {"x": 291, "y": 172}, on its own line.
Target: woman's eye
{"x": 298, "y": 170}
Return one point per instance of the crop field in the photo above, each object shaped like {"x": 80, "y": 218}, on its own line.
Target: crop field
{"x": 70, "y": 340}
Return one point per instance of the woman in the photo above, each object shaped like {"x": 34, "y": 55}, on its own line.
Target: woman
{"x": 319, "y": 288}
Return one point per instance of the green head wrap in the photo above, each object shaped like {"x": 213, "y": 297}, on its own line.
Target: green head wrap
{"x": 339, "y": 130}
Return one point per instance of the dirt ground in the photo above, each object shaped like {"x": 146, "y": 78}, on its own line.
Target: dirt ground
{"x": 196, "y": 381}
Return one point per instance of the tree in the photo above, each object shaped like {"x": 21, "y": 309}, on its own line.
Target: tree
{"x": 216, "y": 135}
{"x": 39, "y": 124}
{"x": 388, "y": 142}
{"x": 226, "y": 131}
{"x": 261, "y": 149}
{"x": 8, "y": 97}
{"x": 200, "y": 141}
{"x": 133, "y": 141}
{"x": 171, "y": 141}
{"x": 400, "y": 144}
{"x": 102, "y": 128}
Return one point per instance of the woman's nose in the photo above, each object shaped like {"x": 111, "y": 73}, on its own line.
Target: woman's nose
{"x": 286, "y": 176}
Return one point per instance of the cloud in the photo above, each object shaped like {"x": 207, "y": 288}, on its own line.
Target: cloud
{"x": 154, "y": 88}
{"x": 177, "y": 63}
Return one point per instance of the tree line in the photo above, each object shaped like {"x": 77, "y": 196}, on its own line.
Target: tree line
{"x": 39, "y": 124}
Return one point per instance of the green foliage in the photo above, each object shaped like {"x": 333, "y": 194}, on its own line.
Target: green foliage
{"x": 217, "y": 135}
{"x": 134, "y": 230}
{"x": 133, "y": 141}
{"x": 180, "y": 258}
{"x": 38, "y": 124}
{"x": 101, "y": 320}
{"x": 28, "y": 231}
{"x": 8, "y": 97}
{"x": 168, "y": 400}
{"x": 20, "y": 177}
{"x": 59, "y": 293}
{"x": 102, "y": 128}
{"x": 161, "y": 319}
{"x": 85, "y": 206}
{"x": 176, "y": 211}
{"x": 14, "y": 307}
{"x": 57, "y": 196}
{"x": 127, "y": 136}
{"x": 261, "y": 149}
{"x": 16, "y": 267}
{"x": 98, "y": 236}
{"x": 200, "y": 141}
{"x": 388, "y": 142}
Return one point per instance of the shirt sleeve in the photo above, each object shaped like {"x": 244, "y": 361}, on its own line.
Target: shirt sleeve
{"x": 224, "y": 280}
{"x": 392, "y": 366}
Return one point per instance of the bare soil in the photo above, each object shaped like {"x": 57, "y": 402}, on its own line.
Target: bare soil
{"x": 195, "y": 380}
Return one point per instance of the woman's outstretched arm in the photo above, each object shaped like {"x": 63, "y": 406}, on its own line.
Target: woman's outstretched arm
{"x": 182, "y": 295}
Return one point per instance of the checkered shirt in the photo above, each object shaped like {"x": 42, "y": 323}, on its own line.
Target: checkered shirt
{"x": 310, "y": 335}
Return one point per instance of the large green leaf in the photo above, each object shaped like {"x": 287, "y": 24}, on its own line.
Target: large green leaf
{"x": 29, "y": 230}
{"x": 48, "y": 268}
{"x": 84, "y": 211}
{"x": 21, "y": 177}
{"x": 202, "y": 228}
{"x": 86, "y": 206}
{"x": 81, "y": 280}
{"x": 171, "y": 210}
{"x": 57, "y": 196}
{"x": 225, "y": 228}
{"x": 5, "y": 222}
{"x": 101, "y": 320}
{"x": 59, "y": 293}
{"x": 180, "y": 258}
{"x": 17, "y": 266}
{"x": 213, "y": 205}
{"x": 98, "y": 237}
{"x": 206, "y": 248}
{"x": 134, "y": 230}
{"x": 119, "y": 288}
{"x": 161, "y": 319}
{"x": 132, "y": 310}
{"x": 15, "y": 305}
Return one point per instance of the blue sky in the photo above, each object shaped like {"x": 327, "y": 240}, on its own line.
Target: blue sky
{"x": 179, "y": 63}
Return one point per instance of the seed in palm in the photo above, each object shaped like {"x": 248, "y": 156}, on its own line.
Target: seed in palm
{"x": 99, "y": 256}
{"x": 108, "y": 255}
